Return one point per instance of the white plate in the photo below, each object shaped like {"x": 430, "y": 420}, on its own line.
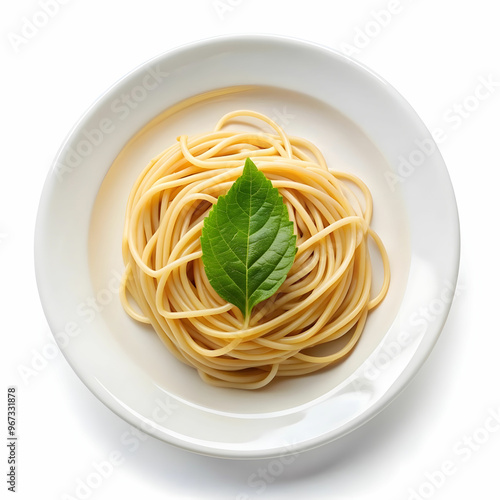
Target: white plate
{"x": 362, "y": 125}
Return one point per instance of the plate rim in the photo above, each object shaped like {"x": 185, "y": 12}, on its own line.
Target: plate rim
{"x": 418, "y": 358}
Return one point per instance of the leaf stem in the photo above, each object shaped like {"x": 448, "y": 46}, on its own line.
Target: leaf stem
{"x": 246, "y": 322}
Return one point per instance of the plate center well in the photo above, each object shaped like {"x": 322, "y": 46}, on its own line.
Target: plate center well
{"x": 345, "y": 147}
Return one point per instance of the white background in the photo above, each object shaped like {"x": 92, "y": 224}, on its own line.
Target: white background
{"x": 436, "y": 54}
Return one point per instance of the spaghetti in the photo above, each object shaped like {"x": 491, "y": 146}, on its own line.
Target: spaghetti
{"x": 326, "y": 296}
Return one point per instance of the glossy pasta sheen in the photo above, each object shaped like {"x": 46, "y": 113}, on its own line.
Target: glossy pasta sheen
{"x": 327, "y": 294}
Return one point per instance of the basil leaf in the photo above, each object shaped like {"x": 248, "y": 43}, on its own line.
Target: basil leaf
{"x": 247, "y": 241}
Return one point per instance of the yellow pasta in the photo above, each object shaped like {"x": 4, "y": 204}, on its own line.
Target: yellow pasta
{"x": 327, "y": 294}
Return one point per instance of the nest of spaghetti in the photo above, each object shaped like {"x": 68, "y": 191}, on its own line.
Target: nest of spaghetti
{"x": 318, "y": 314}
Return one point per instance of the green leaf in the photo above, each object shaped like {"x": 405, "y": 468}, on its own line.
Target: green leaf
{"x": 247, "y": 241}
